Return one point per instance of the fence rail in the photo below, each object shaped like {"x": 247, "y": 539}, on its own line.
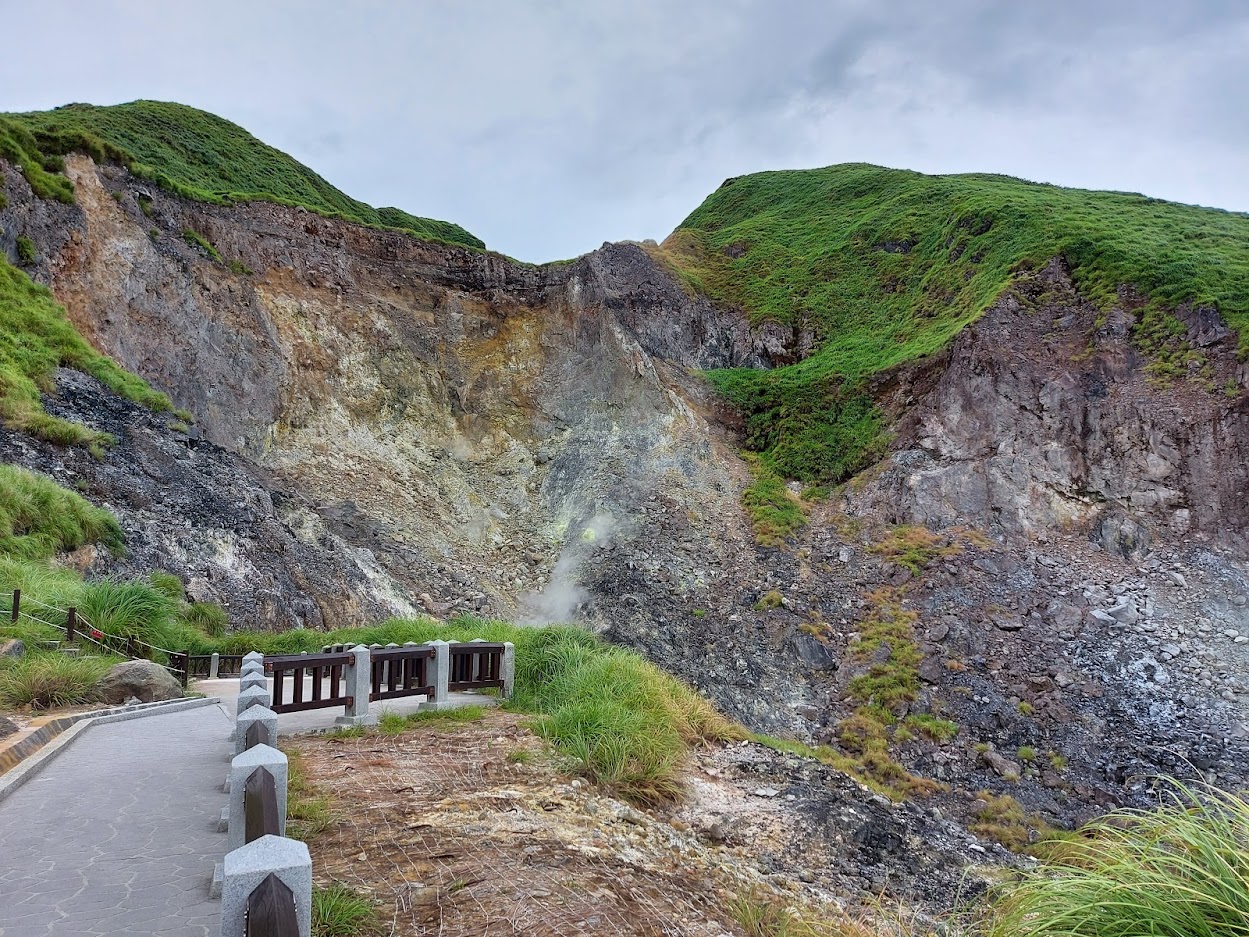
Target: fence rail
{"x": 475, "y": 665}
{"x": 399, "y": 672}
{"x": 316, "y": 681}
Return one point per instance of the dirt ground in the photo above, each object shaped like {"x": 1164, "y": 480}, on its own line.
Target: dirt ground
{"x": 471, "y": 829}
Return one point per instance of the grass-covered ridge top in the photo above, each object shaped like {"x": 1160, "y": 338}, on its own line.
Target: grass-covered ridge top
{"x": 884, "y": 266}
{"x": 208, "y": 158}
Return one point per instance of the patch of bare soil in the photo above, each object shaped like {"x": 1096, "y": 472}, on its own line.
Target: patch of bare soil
{"x": 454, "y": 833}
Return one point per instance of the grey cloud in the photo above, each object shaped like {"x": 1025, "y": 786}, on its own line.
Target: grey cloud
{"x": 548, "y": 127}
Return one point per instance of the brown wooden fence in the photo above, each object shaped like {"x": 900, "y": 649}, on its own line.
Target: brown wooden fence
{"x": 316, "y": 681}
{"x": 400, "y": 671}
{"x": 475, "y": 665}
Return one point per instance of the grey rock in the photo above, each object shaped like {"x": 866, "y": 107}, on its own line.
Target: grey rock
{"x": 813, "y": 652}
{"x": 7, "y": 727}
{"x": 12, "y": 648}
{"x": 1006, "y": 622}
{"x": 1001, "y": 765}
{"x": 142, "y": 679}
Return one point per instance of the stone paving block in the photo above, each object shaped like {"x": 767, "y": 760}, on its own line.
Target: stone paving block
{"x": 111, "y": 838}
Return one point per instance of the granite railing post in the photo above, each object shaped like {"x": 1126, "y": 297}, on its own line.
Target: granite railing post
{"x": 253, "y": 714}
{"x": 248, "y": 866}
{"x": 214, "y": 665}
{"x": 439, "y": 676}
{"x": 508, "y": 672}
{"x": 241, "y": 768}
{"x": 253, "y": 678}
{"x": 357, "y": 676}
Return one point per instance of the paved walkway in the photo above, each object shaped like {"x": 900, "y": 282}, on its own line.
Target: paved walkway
{"x": 118, "y": 834}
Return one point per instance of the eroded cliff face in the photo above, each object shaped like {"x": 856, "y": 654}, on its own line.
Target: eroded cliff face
{"x": 1044, "y": 415}
{"x": 476, "y": 425}
{"x": 418, "y": 427}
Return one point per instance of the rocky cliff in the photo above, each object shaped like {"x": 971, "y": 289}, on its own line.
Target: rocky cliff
{"x": 386, "y": 425}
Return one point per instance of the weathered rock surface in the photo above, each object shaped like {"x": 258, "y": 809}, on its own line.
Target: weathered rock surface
{"x": 12, "y": 648}
{"x": 144, "y": 680}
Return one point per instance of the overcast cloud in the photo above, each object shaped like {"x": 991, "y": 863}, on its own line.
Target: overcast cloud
{"x": 549, "y": 126}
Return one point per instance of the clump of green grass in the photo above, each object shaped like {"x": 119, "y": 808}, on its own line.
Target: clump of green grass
{"x": 775, "y": 514}
{"x": 239, "y": 268}
{"x": 1181, "y": 870}
{"x": 914, "y": 547}
{"x": 338, "y": 911}
{"x": 39, "y": 518}
{"x": 933, "y": 727}
{"x": 208, "y": 618}
{"x": 886, "y": 266}
{"x": 195, "y": 239}
{"x": 25, "y": 251}
{"x": 460, "y": 714}
{"x": 308, "y": 813}
{"x": 392, "y": 723}
{"x": 196, "y": 155}
{"x": 121, "y": 610}
{"x": 46, "y": 681}
{"x": 36, "y": 338}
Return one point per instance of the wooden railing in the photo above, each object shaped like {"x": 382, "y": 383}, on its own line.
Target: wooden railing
{"x": 316, "y": 681}
{"x": 475, "y": 665}
{"x": 400, "y": 671}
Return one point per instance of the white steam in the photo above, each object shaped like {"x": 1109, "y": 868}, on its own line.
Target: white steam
{"x": 560, "y": 598}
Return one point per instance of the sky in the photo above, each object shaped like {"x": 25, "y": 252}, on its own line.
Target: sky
{"x": 547, "y": 127}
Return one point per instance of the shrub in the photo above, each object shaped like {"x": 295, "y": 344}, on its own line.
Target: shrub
{"x": 167, "y": 584}
{"x": 207, "y": 618}
{"x": 25, "y": 251}
{"x": 45, "y": 681}
{"x": 1181, "y": 870}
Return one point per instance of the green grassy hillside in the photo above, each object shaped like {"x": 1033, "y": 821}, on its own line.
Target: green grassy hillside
{"x": 886, "y": 266}
{"x": 36, "y": 338}
{"x": 202, "y": 157}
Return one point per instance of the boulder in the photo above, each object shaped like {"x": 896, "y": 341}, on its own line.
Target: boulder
{"x": 12, "y": 648}
{"x": 7, "y": 727}
{"x": 142, "y": 679}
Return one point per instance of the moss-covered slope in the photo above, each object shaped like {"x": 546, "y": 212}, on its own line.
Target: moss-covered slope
{"x": 885, "y": 266}
{"x": 207, "y": 158}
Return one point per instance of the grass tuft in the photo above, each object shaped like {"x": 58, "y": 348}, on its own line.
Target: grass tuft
{"x": 1181, "y": 870}
{"x": 46, "y": 681}
{"x": 39, "y": 518}
{"x": 338, "y": 911}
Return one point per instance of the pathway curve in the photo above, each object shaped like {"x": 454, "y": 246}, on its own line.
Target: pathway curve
{"x": 118, "y": 835}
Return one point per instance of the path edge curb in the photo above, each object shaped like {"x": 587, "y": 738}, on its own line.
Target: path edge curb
{"x": 15, "y": 777}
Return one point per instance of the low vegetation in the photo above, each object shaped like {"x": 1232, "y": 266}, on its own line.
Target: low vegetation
{"x": 39, "y": 518}
{"x": 35, "y": 339}
{"x": 195, "y": 239}
{"x": 193, "y": 154}
{"x": 47, "y": 681}
{"x": 885, "y": 266}
{"x": 339, "y": 911}
{"x": 623, "y": 722}
{"x": 775, "y": 514}
{"x": 1181, "y": 870}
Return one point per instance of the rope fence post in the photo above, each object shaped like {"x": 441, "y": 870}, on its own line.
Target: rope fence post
{"x": 17, "y": 604}
{"x": 71, "y": 623}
